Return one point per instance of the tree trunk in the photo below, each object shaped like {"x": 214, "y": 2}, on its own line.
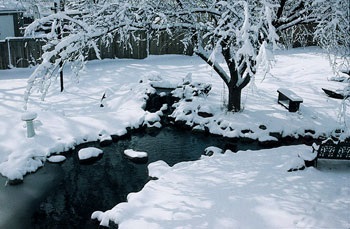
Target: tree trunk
{"x": 234, "y": 99}
{"x": 234, "y": 91}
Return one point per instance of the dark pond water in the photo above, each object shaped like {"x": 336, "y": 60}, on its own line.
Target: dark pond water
{"x": 65, "y": 195}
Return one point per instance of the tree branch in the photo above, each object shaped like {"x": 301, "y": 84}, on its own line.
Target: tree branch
{"x": 220, "y": 71}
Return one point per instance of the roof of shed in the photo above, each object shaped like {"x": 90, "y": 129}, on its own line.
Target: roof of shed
{"x": 10, "y": 7}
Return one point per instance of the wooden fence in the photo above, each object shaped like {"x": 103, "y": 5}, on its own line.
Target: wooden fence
{"x": 23, "y": 52}
{"x": 20, "y": 52}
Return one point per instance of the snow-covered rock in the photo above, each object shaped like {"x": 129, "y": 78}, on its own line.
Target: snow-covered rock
{"x": 152, "y": 120}
{"x": 209, "y": 151}
{"x": 157, "y": 169}
{"x": 295, "y": 164}
{"x": 268, "y": 141}
{"x": 89, "y": 153}
{"x": 156, "y": 80}
{"x": 136, "y": 156}
{"x": 205, "y": 111}
{"x": 105, "y": 140}
{"x": 56, "y": 159}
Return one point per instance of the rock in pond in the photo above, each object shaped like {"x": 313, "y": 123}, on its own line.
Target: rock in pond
{"x": 56, "y": 159}
{"x": 136, "y": 156}
{"x": 89, "y": 154}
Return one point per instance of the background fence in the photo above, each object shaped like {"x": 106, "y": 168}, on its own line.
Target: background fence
{"x": 23, "y": 52}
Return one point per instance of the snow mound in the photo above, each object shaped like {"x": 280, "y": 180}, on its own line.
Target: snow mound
{"x": 157, "y": 169}
{"x": 89, "y": 152}
{"x": 155, "y": 80}
{"x": 153, "y": 119}
{"x": 28, "y": 116}
{"x": 135, "y": 154}
{"x": 308, "y": 155}
{"x": 105, "y": 139}
{"x": 294, "y": 164}
{"x": 56, "y": 159}
{"x": 209, "y": 151}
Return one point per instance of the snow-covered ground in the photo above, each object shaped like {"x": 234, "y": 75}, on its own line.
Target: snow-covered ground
{"x": 249, "y": 189}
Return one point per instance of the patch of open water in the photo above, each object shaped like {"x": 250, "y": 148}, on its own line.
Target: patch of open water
{"x": 65, "y": 195}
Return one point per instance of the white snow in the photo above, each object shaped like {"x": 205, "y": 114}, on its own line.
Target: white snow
{"x": 151, "y": 117}
{"x": 89, "y": 152}
{"x": 27, "y": 116}
{"x": 135, "y": 154}
{"x": 212, "y": 150}
{"x": 245, "y": 190}
{"x": 105, "y": 137}
{"x": 157, "y": 169}
{"x": 248, "y": 189}
{"x": 56, "y": 158}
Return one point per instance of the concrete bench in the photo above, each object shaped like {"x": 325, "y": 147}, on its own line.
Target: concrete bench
{"x": 289, "y": 99}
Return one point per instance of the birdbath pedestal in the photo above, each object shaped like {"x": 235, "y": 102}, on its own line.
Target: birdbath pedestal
{"x": 28, "y": 117}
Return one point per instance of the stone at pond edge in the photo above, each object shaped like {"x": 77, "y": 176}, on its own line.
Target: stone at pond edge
{"x": 198, "y": 129}
{"x": 14, "y": 181}
{"x": 307, "y": 139}
{"x": 211, "y": 150}
{"x": 182, "y": 124}
{"x": 269, "y": 143}
{"x": 105, "y": 140}
{"x": 105, "y": 143}
{"x": 287, "y": 139}
{"x": 121, "y": 137}
{"x": 205, "y": 114}
{"x": 246, "y": 131}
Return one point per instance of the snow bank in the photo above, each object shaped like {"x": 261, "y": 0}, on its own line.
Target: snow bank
{"x": 248, "y": 189}
{"x": 157, "y": 169}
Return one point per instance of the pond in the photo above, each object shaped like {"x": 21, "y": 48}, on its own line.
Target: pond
{"x": 65, "y": 195}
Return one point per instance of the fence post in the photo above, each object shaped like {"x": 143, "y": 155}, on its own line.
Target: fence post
{"x": 9, "y": 53}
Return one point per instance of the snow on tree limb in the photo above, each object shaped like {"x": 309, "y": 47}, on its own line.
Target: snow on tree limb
{"x": 243, "y": 32}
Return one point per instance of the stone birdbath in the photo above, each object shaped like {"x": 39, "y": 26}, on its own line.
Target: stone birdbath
{"x": 28, "y": 117}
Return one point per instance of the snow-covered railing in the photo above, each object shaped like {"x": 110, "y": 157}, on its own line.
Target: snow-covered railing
{"x": 330, "y": 149}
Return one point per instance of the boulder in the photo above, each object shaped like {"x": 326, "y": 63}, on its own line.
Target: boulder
{"x": 89, "y": 155}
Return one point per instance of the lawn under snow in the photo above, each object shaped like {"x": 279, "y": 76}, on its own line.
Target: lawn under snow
{"x": 258, "y": 190}
{"x": 249, "y": 189}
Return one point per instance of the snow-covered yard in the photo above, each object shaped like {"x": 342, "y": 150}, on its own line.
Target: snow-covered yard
{"x": 244, "y": 190}
{"x": 250, "y": 189}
